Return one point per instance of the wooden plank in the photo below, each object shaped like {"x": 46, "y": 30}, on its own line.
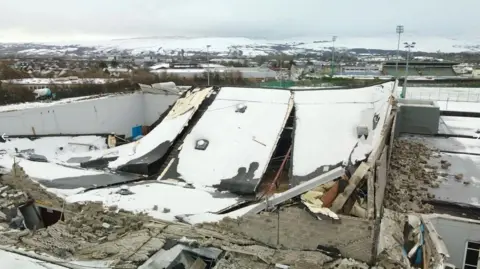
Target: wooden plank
{"x": 392, "y": 138}
{"x": 371, "y": 194}
{"x": 352, "y": 185}
{"x": 381, "y": 182}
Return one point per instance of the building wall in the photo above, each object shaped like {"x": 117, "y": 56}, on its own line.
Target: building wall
{"x": 299, "y": 230}
{"x": 455, "y": 233}
{"x": 102, "y": 115}
{"x": 155, "y": 105}
{"x": 409, "y": 122}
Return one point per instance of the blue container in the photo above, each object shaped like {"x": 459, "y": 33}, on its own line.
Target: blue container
{"x": 136, "y": 131}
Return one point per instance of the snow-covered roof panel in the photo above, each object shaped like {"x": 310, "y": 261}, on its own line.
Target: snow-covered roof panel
{"x": 160, "y": 200}
{"x": 239, "y": 144}
{"x": 136, "y": 157}
{"x": 326, "y": 127}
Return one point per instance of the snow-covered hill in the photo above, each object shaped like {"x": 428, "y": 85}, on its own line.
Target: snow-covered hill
{"x": 252, "y": 47}
{"x": 224, "y": 44}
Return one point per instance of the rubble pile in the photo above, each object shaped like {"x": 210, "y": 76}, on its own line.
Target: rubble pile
{"x": 19, "y": 181}
{"x": 10, "y": 199}
{"x": 126, "y": 240}
{"x": 85, "y": 227}
{"x": 410, "y": 177}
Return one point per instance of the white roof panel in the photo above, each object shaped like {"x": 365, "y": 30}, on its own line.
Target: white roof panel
{"x": 326, "y": 127}
{"x": 240, "y": 145}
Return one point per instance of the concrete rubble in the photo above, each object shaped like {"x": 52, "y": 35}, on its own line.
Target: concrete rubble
{"x": 410, "y": 177}
{"x": 93, "y": 232}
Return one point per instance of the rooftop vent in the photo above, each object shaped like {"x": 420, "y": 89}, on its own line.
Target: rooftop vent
{"x": 241, "y": 108}
{"x": 362, "y": 130}
{"x": 201, "y": 144}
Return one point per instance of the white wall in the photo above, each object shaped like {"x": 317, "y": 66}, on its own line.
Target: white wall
{"x": 455, "y": 234}
{"x": 155, "y": 104}
{"x": 102, "y": 115}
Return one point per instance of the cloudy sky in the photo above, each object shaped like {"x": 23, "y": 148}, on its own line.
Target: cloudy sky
{"x": 33, "y": 20}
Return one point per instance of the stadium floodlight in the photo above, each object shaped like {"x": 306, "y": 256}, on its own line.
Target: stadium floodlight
{"x": 332, "y": 65}
{"x": 208, "y": 67}
{"x": 409, "y": 47}
{"x": 400, "y": 30}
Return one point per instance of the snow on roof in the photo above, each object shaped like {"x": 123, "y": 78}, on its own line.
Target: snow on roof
{"x": 21, "y": 106}
{"x": 159, "y": 65}
{"x": 325, "y": 127}
{"x": 459, "y": 125}
{"x": 154, "y": 145}
{"x": 459, "y": 106}
{"x": 56, "y": 150}
{"x": 75, "y": 80}
{"x": 167, "y": 130}
{"x": 171, "y": 195}
{"x": 160, "y": 200}
{"x": 239, "y": 144}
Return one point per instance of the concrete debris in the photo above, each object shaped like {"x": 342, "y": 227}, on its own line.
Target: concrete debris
{"x": 264, "y": 257}
{"x": 390, "y": 246}
{"x": 181, "y": 256}
{"x": 444, "y": 164}
{"x": 410, "y": 177}
{"x": 348, "y": 264}
{"x": 17, "y": 181}
{"x": 239, "y": 261}
{"x": 91, "y": 231}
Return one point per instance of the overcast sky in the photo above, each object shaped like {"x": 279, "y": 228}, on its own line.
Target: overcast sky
{"x": 33, "y": 20}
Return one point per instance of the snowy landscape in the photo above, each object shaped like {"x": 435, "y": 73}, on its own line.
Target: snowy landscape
{"x": 248, "y": 47}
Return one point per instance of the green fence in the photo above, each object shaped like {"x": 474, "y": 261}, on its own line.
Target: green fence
{"x": 277, "y": 84}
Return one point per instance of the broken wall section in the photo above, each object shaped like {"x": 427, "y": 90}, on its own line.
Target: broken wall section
{"x": 296, "y": 229}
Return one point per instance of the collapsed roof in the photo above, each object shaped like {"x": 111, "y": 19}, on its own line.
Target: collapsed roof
{"x": 215, "y": 140}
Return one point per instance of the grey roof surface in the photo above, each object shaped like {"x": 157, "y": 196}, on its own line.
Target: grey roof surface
{"x": 452, "y": 190}
{"x": 458, "y": 125}
{"x": 463, "y": 155}
{"x": 450, "y": 144}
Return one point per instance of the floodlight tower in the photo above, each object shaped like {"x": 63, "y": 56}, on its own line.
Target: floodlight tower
{"x": 400, "y": 31}
{"x": 208, "y": 66}
{"x": 332, "y": 66}
{"x": 409, "y": 47}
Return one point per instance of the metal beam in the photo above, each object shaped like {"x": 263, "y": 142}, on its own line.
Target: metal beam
{"x": 352, "y": 185}
{"x": 297, "y": 190}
